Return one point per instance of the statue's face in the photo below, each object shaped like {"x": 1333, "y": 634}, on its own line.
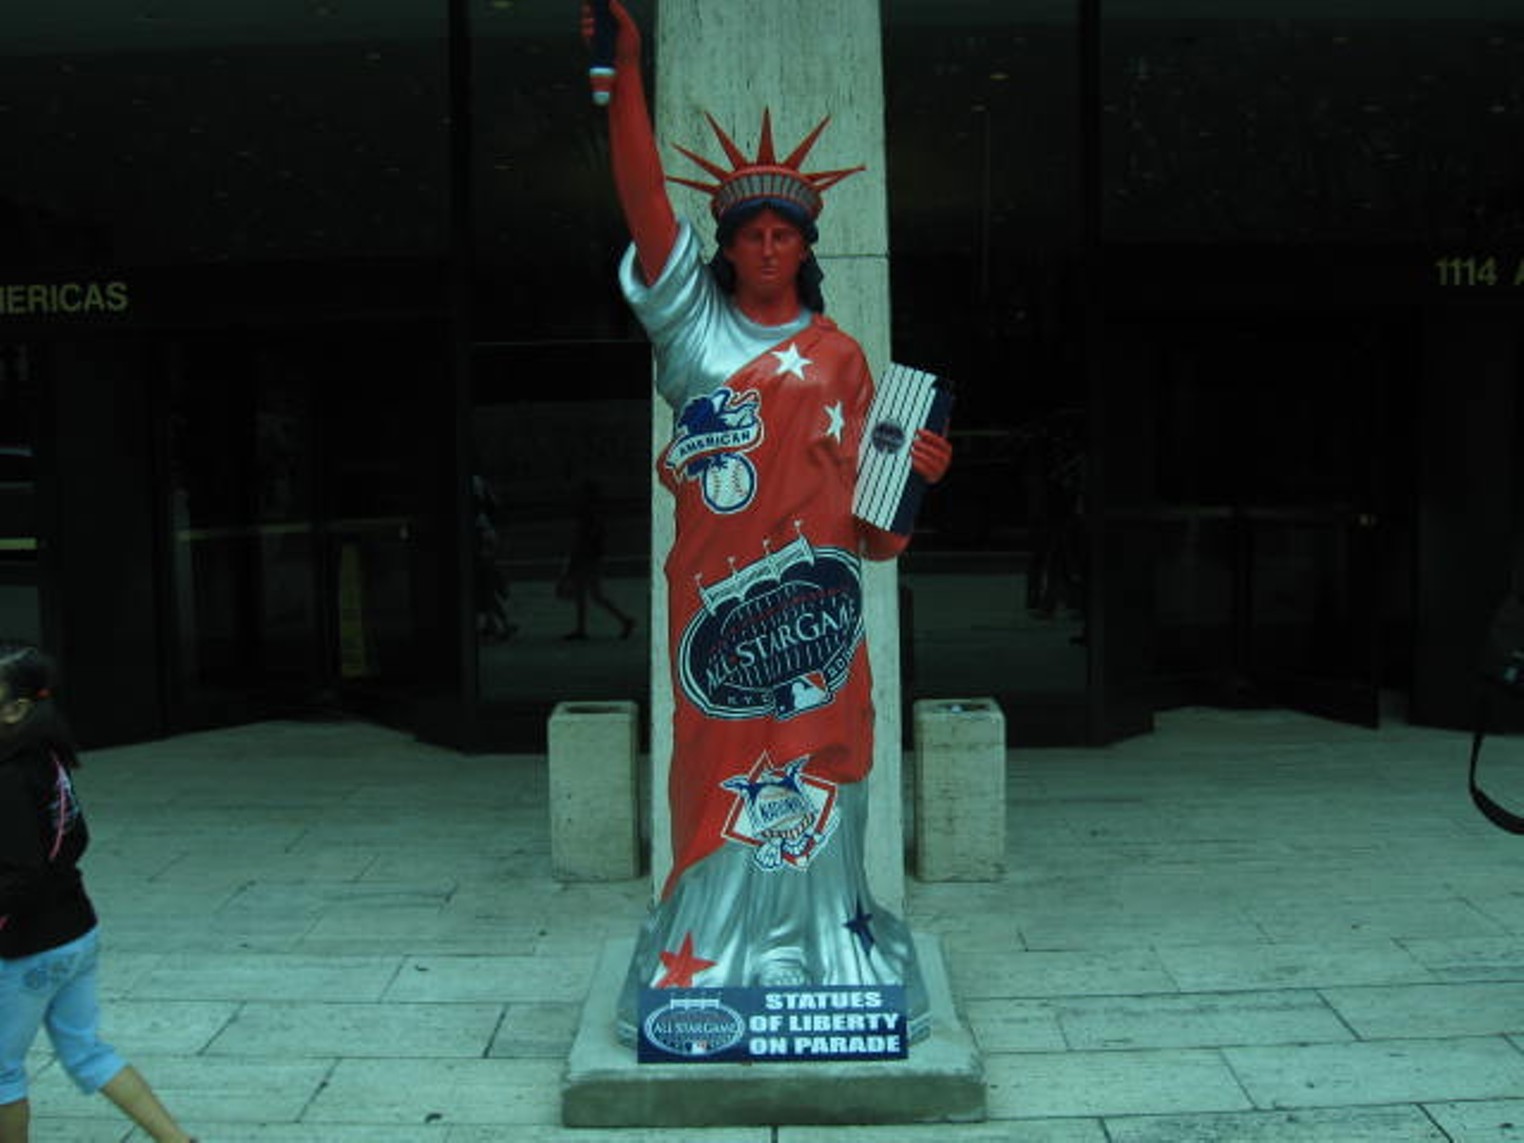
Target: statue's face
{"x": 767, "y": 252}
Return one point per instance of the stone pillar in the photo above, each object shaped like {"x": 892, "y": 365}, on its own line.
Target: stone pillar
{"x": 959, "y": 789}
{"x": 803, "y": 59}
{"x": 594, "y": 830}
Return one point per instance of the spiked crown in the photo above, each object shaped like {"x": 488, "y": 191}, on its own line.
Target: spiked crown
{"x": 766, "y": 176}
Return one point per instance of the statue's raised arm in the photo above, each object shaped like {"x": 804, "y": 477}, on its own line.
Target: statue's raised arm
{"x": 637, "y": 168}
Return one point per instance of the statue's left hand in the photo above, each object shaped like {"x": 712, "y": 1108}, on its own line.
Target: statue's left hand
{"x": 930, "y": 455}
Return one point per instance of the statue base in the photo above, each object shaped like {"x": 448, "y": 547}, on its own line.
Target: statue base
{"x": 942, "y": 1079}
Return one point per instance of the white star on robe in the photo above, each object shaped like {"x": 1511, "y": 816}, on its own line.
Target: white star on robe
{"x": 836, "y": 421}
{"x": 791, "y": 361}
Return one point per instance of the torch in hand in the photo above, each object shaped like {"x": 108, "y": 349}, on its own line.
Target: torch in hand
{"x": 600, "y": 76}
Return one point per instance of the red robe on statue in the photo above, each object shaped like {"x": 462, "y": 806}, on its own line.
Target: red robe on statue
{"x": 770, "y": 666}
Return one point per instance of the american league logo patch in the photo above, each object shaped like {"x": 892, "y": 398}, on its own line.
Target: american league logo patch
{"x": 710, "y": 443}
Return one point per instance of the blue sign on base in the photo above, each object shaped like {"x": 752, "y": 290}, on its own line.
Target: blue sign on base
{"x": 755, "y": 1025}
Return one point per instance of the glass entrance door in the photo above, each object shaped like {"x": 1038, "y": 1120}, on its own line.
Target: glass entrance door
{"x": 1248, "y": 531}
{"x": 293, "y": 496}
{"x": 242, "y": 500}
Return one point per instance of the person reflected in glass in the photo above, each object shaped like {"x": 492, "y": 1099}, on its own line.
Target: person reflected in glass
{"x": 492, "y": 622}
{"x": 582, "y": 582}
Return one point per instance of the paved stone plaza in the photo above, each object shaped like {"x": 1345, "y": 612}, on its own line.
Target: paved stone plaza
{"x": 1246, "y": 926}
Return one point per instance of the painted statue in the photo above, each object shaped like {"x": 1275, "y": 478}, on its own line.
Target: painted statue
{"x": 773, "y": 714}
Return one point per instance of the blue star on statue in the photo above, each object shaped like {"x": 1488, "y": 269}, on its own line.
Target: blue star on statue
{"x": 862, "y": 928}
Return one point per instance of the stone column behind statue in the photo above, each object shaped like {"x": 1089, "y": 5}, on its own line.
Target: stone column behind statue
{"x": 803, "y": 59}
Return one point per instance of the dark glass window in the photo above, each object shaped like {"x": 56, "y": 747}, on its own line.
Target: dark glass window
{"x": 223, "y": 133}
{"x": 982, "y": 129}
{"x": 548, "y": 232}
{"x": 20, "y": 616}
{"x": 1341, "y": 123}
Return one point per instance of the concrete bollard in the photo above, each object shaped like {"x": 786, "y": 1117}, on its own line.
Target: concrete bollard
{"x": 594, "y": 832}
{"x": 959, "y": 789}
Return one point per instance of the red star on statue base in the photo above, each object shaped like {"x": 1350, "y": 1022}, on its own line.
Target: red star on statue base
{"x": 682, "y": 966}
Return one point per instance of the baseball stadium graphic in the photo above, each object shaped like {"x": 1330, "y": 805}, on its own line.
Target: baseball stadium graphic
{"x": 777, "y": 637}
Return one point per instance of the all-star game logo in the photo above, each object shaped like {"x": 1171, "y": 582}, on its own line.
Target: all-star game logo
{"x": 695, "y": 1027}
{"x": 711, "y": 440}
{"x": 785, "y": 814}
{"x": 776, "y": 638}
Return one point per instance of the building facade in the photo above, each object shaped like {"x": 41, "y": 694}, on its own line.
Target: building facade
{"x": 312, "y": 362}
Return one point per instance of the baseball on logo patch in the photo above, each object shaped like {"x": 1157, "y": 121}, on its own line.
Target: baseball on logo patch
{"x": 729, "y": 482}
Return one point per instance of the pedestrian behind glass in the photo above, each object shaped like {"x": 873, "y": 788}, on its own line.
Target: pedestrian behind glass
{"x": 48, "y": 931}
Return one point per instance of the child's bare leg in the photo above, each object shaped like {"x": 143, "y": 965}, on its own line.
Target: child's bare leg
{"x": 130, "y": 1091}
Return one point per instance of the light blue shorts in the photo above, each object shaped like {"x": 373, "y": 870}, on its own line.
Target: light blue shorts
{"x": 56, "y": 989}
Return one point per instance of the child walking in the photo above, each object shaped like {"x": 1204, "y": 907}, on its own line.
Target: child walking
{"x": 48, "y": 943}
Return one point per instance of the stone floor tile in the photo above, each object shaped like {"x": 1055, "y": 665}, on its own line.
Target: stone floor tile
{"x": 354, "y": 932}
{"x": 554, "y": 916}
{"x": 1389, "y": 918}
{"x": 339, "y": 898}
{"x": 165, "y": 1027}
{"x": 1197, "y": 1020}
{"x": 307, "y": 1133}
{"x": 1064, "y": 973}
{"x": 298, "y": 864}
{"x": 1401, "y": 1124}
{"x": 969, "y": 934}
{"x": 1431, "y": 1010}
{"x": 122, "y": 971}
{"x": 555, "y": 945}
{"x": 1264, "y": 965}
{"x": 1103, "y": 925}
{"x": 1505, "y": 909}
{"x": 106, "y": 1126}
{"x": 1014, "y": 1025}
{"x": 1470, "y": 958}
{"x": 993, "y": 1131}
{"x": 1157, "y": 891}
{"x": 541, "y": 1133}
{"x": 530, "y": 1029}
{"x": 1379, "y": 1072}
{"x": 191, "y": 929}
{"x": 158, "y": 902}
{"x": 505, "y": 1093}
{"x": 1046, "y": 1085}
{"x": 499, "y": 978}
{"x": 202, "y": 1089}
{"x": 1481, "y": 1120}
{"x": 293, "y": 1030}
{"x": 267, "y": 976}
{"x": 466, "y": 866}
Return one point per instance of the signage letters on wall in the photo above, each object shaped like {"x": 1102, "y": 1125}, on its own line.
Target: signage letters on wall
{"x": 63, "y": 299}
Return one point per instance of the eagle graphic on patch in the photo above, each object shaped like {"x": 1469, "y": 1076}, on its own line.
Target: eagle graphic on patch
{"x": 785, "y": 814}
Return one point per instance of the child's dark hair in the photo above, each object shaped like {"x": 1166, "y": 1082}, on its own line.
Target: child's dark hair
{"x": 25, "y": 671}
{"x": 28, "y": 673}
